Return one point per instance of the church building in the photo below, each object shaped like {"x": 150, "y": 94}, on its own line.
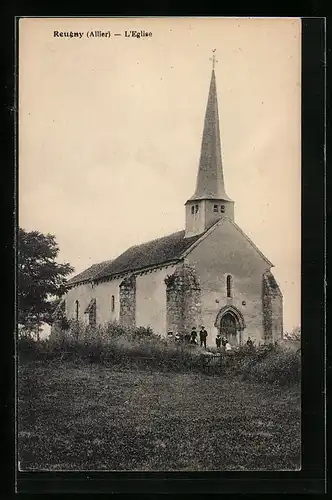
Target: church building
{"x": 208, "y": 274}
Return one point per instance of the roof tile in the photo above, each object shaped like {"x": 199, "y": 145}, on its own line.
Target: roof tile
{"x": 153, "y": 253}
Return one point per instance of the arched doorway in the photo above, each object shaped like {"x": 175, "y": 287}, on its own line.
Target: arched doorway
{"x": 230, "y": 324}
{"x": 228, "y": 328}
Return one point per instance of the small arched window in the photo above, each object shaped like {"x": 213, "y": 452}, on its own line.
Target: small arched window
{"x": 77, "y": 310}
{"x": 193, "y": 209}
{"x": 215, "y": 208}
{"x": 229, "y": 285}
{"x": 196, "y": 209}
{"x": 112, "y": 303}
{"x": 222, "y": 209}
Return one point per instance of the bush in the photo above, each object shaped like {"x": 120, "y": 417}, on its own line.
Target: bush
{"x": 112, "y": 344}
{"x": 267, "y": 364}
{"x": 278, "y": 367}
{"x": 123, "y": 346}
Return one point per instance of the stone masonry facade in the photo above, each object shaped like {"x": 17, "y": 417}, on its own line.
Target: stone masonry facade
{"x": 128, "y": 301}
{"x": 272, "y": 308}
{"x": 183, "y": 300}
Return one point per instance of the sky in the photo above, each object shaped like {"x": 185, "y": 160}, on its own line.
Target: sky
{"x": 110, "y": 132}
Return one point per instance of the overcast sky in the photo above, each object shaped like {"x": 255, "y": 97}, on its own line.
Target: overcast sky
{"x": 110, "y": 133}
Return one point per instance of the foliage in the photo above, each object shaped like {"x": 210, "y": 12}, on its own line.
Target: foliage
{"x": 116, "y": 345}
{"x": 41, "y": 280}
{"x": 293, "y": 335}
{"x": 29, "y": 330}
{"x": 184, "y": 275}
{"x": 170, "y": 280}
{"x": 267, "y": 364}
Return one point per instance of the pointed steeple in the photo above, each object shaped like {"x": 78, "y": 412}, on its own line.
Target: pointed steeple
{"x": 210, "y": 178}
{"x": 210, "y": 202}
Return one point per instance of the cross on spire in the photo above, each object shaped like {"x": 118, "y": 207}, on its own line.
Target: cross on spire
{"x": 213, "y": 59}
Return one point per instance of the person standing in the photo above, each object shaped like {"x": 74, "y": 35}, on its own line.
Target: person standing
{"x": 187, "y": 338}
{"x": 249, "y": 342}
{"x": 228, "y": 346}
{"x": 218, "y": 340}
{"x": 193, "y": 336}
{"x": 223, "y": 342}
{"x": 203, "y": 336}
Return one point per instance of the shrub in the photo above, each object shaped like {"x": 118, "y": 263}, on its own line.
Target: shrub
{"x": 279, "y": 367}
{"x": 267, "y": 364}
{"x": 113, "y": 344}
{"x": 123, "y": 346}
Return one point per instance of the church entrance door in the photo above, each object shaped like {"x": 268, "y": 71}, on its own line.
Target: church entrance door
{"x": 228, "y": 328}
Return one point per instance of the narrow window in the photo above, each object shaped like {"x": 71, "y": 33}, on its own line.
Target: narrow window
{"x": 112, "y": 303}
{"x": 193, "y": 209}
{"x": 77, "y": 310}
{"x": 196, "y": 208}
{"x": 215, "y": 208}
{"x": 229, "y": 285}
{"x": 222, "y": 209}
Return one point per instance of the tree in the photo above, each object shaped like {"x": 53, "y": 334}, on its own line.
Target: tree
{"x": 295, "y": 334}
{"x": 41, "y": 280}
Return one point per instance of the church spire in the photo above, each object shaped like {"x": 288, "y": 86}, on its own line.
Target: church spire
{"x": 210, "y": 179}
{"x": 210, "y": 202}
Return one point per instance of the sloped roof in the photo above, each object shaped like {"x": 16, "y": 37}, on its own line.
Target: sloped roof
{"x": 89, "y": 273}
{"x": 153, "y": 253}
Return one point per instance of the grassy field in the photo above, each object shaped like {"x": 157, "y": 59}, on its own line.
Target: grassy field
{"x": 81, "y": 417}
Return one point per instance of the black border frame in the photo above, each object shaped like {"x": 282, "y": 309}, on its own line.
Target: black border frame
{"x": 312, "y": 477}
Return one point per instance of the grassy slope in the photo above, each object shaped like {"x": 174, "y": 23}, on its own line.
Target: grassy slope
{"x": 82, "y": 417}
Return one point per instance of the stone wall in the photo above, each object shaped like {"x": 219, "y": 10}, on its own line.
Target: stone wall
{"x": 225, "y": 251}
{"x": 277, "y": 317}
{"x": 267, "y": 311}
{"x": 83, "y": 293}
{"x": 183, "y": 300}
{"x": 128, "y": 301}
{"x": 272, "y": 308}
{"x": 91, "y": 312}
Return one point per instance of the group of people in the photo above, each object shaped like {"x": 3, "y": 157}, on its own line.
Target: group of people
{"x": 191, "y": 338}
{"x": 223, "y": 342}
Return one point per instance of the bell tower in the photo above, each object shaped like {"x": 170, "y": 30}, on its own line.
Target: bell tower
{"x": 210, "y": 202}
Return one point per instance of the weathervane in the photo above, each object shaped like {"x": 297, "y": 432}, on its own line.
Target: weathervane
{"x": 213, "y": 58}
